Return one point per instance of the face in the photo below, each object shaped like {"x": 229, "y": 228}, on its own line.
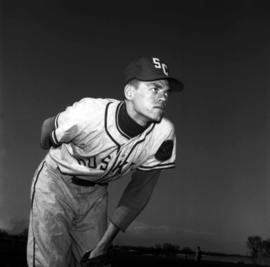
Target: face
{"x": 149, "y": 100}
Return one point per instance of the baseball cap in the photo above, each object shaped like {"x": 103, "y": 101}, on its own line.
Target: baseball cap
{"x": 151, "y": 69}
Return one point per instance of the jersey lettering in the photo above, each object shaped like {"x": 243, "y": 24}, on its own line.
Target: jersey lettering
{"x": 90, "y": 162}
{"x": 105, "y": 163}
{"x": 118, "y": 168}
{"x": 81, "y": 162}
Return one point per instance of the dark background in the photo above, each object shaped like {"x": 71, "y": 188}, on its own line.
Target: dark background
{"x": 54, "y": 53}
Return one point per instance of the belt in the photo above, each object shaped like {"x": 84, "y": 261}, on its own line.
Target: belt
{"x": 82, "y": 182}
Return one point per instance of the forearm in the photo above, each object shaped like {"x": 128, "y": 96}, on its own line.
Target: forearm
{"x": 135, "y": 198}
{"x": 106, "y": 241}
{"x": 108, "y": 237}
{"x": 132, "y": 202}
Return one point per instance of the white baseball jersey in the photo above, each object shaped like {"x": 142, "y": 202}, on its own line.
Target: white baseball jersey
{"x": 94, "y": 147}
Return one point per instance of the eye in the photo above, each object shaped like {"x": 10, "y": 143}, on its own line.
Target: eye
{"x": 168, "y": 93}
{"x": 155, "y": 89}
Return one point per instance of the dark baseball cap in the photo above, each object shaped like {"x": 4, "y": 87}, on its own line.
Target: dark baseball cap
{"x": 151, "y": 69}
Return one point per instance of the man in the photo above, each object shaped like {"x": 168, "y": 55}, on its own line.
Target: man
{"x": 92, "y": 143}
{"x": 198, "y": 254}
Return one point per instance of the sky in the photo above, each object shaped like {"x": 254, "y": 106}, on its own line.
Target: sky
{"x": 54, "y": 54}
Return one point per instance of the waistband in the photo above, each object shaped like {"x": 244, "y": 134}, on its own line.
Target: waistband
{"x": 82, "y": 182}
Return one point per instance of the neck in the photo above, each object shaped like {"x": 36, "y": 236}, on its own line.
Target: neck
{"x": 135, "y": 116}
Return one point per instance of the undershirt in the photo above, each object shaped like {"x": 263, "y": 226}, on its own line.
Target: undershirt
{"x": 127, "y": 124}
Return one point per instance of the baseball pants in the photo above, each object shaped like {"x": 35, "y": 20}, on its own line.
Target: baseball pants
{"x": 66, "y": 220}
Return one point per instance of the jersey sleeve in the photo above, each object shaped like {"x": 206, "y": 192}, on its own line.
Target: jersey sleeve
{"x": 70, "y": 122}
{"x": 135, "y": 197}
{"x": 163, "y": 152}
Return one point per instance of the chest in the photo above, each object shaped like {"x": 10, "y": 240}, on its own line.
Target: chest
{"x": 112, "y": 155}
{"x": 102, "y": 150}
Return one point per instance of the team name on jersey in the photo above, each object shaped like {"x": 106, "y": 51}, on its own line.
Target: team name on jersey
{"x": 104, "y": 164}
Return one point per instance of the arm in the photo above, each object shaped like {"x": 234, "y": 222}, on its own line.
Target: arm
{"x": 46, "y": 133}
{"x": 135, "y": 197}
{"x": 132, "y": 202}
{"x": 106, "y": 240}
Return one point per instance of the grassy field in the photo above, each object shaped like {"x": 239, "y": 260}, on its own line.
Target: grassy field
{"x": 122, "y": 260}
{"x": 13, "y": 254}
{"x": 17, "y": 258}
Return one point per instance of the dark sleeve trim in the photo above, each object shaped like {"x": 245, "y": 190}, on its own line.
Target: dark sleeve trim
{"x": 53, "y": 136}
{"x": 158, "y": 166}
{"x": 54, "y": 140}
{"x": 56, "y": 124}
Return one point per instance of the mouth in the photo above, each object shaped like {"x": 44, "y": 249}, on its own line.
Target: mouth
{"x": 160, "y": 107}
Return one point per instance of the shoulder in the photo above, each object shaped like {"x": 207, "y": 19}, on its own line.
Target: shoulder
{"x": 85, "y": 109}
{"x": 96, "y": 101}
{"x": 164, "y": 128}
{"x": 163, "y": 134}
{"x": 161, "y": 147}
{"x": 88, "y": 104}
{"x": 166, "y": 140}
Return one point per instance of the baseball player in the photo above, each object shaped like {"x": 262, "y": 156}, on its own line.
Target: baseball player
{"x": 92, "y": 143}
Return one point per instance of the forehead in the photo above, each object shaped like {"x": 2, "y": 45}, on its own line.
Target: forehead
{"x": 163, "y": 84}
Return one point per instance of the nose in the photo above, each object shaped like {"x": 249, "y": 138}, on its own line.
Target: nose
{"x": 163, "y": 97}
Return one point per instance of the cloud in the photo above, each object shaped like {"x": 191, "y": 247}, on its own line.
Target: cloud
{"x": 5, "y": 224}
{"x": 10, "y": 221}
{"x": 140, "y": 228}
{"x": 2, "y": 156}
{"x": 140, "y": 233}
{"x": 13, "y": 225}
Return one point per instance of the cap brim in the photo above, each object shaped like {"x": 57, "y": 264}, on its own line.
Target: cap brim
{"x": 175, "y": 85}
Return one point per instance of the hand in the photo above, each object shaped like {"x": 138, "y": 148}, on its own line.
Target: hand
{"x": 105, "y": 242}
{"x": 97, "y": 251}
{"x": 102, "y": 260}
{"x": 100, "y": 255}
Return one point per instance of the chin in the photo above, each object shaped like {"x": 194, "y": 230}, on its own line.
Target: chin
{"x": 157, "y": 118}
{"x": 154, "y": 117}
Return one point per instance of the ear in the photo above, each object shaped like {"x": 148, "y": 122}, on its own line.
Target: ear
{"x": 129, "y": 92}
